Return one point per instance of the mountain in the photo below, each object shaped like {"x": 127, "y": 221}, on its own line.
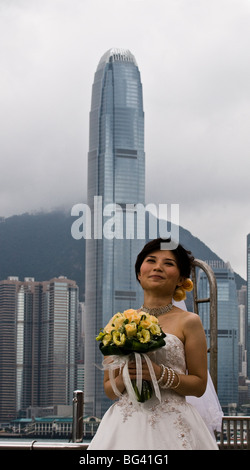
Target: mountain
{"x": 41, "y": 246}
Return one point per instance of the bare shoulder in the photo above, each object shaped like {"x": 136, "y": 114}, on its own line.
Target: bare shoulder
{"x": 192, "y": 318}
{"x": 192, "y": 323}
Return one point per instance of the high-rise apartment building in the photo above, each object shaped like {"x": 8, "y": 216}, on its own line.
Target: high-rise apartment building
{"x": 116, "y": 175}
{"x": 242, "y": 302}
{"x": 228, "y": 334}
{"x": 58, "y": 342}
{"x": 37, "y": 344}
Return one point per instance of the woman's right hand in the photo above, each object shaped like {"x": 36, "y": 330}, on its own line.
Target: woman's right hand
{"x": 145, "y": 370}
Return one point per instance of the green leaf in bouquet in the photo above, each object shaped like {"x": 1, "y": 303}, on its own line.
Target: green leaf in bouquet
{"x": 137, "y": 346}
{"x": 111, "y": 349}
{"x": 156, "y": 343}
{"x": 133, "y": 345}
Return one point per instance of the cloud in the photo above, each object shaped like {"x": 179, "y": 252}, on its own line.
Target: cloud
{"x": 195, "y": 68}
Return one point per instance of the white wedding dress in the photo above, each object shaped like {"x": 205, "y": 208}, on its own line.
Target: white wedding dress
{"x": 171, "y": 423}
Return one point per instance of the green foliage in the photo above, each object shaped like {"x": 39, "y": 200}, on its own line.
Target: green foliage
{"x": 41, "y": 246}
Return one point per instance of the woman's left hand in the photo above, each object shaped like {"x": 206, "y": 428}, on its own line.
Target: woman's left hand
{"x": 145, "y": 371}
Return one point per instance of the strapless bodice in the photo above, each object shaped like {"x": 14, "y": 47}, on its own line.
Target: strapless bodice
{"x": 171, "y": 355}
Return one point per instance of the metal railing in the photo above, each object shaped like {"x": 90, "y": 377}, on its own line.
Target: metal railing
{"x": 46, "y": 445}
{"x": 77, "y": 424}
{"x": 234, "y": 435}
{"x": 213, "y": 312}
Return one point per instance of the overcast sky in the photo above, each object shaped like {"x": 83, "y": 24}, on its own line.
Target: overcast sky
{"x": 194, "y": 59}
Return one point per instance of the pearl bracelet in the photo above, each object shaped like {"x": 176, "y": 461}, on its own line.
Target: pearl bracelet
{"x": 170, "y": 379}
{"x": 163, "y": 368}
{"x": 178, "y": 383}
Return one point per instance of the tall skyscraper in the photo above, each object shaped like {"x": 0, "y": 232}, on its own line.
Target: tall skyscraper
{"x": 19, "y": 313}
{"x": 37, "y": 344}
{"x": 58, "y": 341}
{"x": 116, "y": 175}
{"x": 228, "y": 325}
{"x": 242, "y": 301}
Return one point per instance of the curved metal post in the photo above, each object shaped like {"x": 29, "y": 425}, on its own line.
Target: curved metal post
{"x": 213, "y": 312}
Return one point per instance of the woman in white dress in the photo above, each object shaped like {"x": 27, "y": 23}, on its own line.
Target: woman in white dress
{"x": 180, "y": 368}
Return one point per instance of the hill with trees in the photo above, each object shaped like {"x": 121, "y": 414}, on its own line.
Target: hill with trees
{"x": 41, "y": 246}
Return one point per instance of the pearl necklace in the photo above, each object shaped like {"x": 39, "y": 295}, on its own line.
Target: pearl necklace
{"x": 157, "y": 311}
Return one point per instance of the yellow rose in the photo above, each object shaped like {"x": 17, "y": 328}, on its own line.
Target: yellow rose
{"x": 107, "y": 339}
{"x": 129, "y": 312}
{"x": 136, "y": 318}
{"x": 118, "y": 338}
{"x": 118, "y": 322}
{"x": 153, "y": 319}
{"x": 132, "y": 316}
{"x": 131, "y": 329}
{"x": 117, "y": 315}
{"x": 143, "y": 336}
{"x": 145, "y": 323}
{"x": 108, "y": 328}
{"x": 155, "y": 329}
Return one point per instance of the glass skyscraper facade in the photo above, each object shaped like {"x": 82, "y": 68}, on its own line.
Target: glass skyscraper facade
{"x": 38, "y": 332}
{"x": 58, "y": 341}
{"x": 228, "y": 326}
{"x": 116, "y": 175}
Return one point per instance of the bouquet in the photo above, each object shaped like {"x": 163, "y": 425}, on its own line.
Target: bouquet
{"x": 132, "y": 332}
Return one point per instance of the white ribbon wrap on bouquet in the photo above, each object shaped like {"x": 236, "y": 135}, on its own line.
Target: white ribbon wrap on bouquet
{"x": 112, "y": 363}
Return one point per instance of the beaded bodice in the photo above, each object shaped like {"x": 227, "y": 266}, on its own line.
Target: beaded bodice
{"x": 171, "y": 355}
{"x": 168, "y": 420}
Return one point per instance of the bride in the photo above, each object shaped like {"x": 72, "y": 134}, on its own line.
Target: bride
{"x": 180, "y": 367}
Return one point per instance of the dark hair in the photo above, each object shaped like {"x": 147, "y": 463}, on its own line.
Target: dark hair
{"x": 184, "y": 258}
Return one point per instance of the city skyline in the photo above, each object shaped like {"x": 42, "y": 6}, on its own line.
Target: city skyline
{"x": 38, "y": 326}
{"x": 197, "y": 107}
{"x": 40, "y": 316}
{"x": 227, "y": 330}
